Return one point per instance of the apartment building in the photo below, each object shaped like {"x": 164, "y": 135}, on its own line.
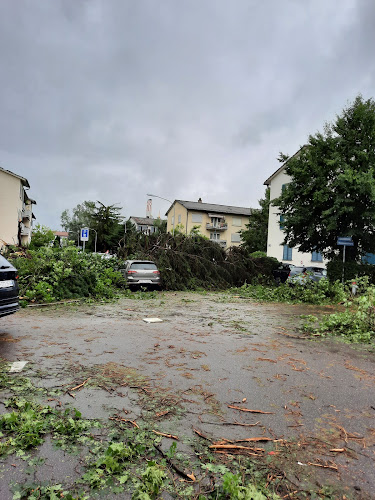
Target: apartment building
{"x": 221, "y": 223}
{"x": 16, "y": 209}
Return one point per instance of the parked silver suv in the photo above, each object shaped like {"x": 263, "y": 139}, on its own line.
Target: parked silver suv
{"x": 142, "y": 273}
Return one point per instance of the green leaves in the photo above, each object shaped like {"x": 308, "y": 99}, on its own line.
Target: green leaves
{"x": 331, "y": 192}
{"x": 355, "y": 324}
{"x": 321, "y": 292}
{"x": 255, "y": 236}
{"x": 24, "y": 428}
{"x": 47, "y": 274}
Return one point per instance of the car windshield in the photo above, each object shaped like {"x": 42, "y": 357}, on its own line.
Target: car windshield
{"x": 317, "y": 270}
{"x": 143, "y": 265}
{"x": 297, "y": 270}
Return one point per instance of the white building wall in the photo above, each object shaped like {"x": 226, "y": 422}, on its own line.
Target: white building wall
{"x": 276, "y": 235}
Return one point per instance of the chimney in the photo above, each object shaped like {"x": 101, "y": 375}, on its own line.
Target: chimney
{"x": 200, "y": 200}
{"x": 149, "y": 208}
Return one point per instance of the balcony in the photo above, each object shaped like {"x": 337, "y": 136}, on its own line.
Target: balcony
{"x": 223, "y": 226}
{"x": 25, "y": 231}
{"x": 222, "y": 243}
{"x": 27, "y": 213}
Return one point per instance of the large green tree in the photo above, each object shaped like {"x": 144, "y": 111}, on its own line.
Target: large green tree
{"x": 255, "y": 236}
{"x": 332, "y": 188}
{"x": 107, "y": 222}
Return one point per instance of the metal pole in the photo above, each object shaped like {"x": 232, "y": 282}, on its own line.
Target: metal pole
{"x": 174, "y": 215}
{"x": 96, "y": 237}
{"x": 343, "y": 264}
{"x": 124, "y": 234}
{"x": 84, "y": 245}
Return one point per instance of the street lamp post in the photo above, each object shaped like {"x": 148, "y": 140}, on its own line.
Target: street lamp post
{"x": 96, "y": 237}
{"x": 174, "y": 207}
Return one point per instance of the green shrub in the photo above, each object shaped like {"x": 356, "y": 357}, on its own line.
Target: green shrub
{"x": 351, "y": 271}
{"x": 320, "y": 292}
{"x": 49, "y": 274}
{"x": 355, "y": 324}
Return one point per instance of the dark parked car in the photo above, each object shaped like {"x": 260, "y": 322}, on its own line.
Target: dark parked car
{"x": 8, "y": 288}
{"x": 281, "y": 273}
{"x": 304, "y": 275}
{"x": 142, "y": 273}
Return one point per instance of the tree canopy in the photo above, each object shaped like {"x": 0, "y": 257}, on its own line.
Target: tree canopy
{"x": 255, "y": 236}
{"x": 81, "y": 217}
{"x": 105, "y": 220}
{"x": 42, "y": 236}
{"x": 332, "y": 187}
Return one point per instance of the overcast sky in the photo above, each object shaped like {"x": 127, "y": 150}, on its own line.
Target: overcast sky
{"x": 112, "y": 99}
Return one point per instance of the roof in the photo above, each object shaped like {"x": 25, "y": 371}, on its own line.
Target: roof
{"x": 24, "y": 181}
{"x": 63, "y": 234}
{"x": 210, "y": 207}
{"x": 27, "y": 198}
{"x": 143, "y": 221}
{"x": 267, "y": 181}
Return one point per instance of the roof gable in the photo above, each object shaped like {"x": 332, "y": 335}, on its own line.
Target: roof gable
{"x": 143, "y": 221}
{"x": 280, "y": 169}
{"x": 24, "y": 181}
{"x": 211, "y": 207}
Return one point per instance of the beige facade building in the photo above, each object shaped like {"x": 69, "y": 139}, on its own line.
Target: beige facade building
{"x": 220, "y": 223}
{"x": 16, "y": 209}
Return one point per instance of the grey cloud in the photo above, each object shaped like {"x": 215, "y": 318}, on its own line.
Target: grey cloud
{"x": 112, "y": 99}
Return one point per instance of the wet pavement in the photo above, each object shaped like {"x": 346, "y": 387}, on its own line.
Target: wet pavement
{"x": 209, "y": 353}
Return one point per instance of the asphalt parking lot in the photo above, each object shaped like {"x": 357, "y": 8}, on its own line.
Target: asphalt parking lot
{"x": 235, "y": 369}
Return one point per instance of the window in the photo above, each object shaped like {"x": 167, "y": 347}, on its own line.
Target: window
{"x": 287, "y": 253}
{"x": 316, "y": 257}
{"x": 281, "y": 221}
{"x": 179, "y": 219}
{"x": 215, "y": 236}
{"x": 172, "y": 220}
{"x": 236, "y": 221}
{"x": 236, "y": 238}
{"x": 283, "y": 187}
{"x": 144, "y": 265}
{"x": 196, "y": 217}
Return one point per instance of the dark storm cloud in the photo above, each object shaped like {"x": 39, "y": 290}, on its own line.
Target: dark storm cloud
{"x": 112, "y": 99}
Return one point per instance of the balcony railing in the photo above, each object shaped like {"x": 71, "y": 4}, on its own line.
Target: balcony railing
{"x": 222, "y": 243}
{"x": 223, "y": 226}
{"x": 25, "y": 231}
{"x": 26, "y": 213}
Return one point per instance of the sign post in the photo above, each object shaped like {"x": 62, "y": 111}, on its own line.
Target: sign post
{"x": 84, "y": 236}
{"x": 345, "y": 241}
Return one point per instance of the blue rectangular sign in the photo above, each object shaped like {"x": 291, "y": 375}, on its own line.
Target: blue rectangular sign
{"x": 84, "y": 234}
{"x": 345, "y": 241}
